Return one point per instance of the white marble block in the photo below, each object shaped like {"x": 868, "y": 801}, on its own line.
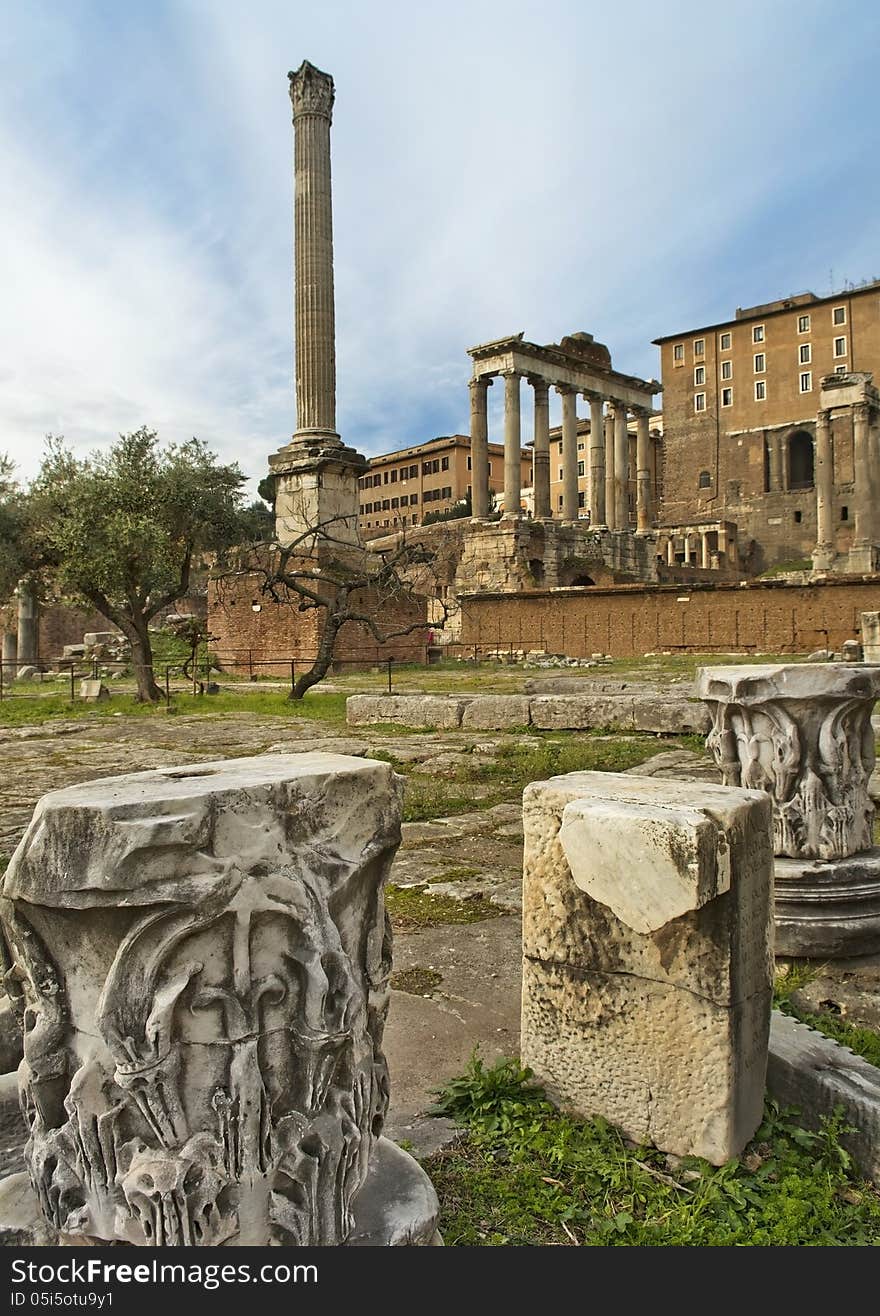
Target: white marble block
{"x": 647, "y": 955}
{"x": 200, "y": 957}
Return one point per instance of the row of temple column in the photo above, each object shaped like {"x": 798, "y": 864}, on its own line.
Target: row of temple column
{"x": 608, "y": 467}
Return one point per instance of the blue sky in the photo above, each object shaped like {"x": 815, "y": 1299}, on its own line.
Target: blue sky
{"x": 630, "y": 169}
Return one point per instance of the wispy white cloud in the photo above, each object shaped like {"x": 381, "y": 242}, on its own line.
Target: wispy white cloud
{"x": 628, "y": 170}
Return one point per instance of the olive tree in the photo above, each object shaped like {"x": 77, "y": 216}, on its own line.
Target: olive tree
{"x": 122, "y": 530}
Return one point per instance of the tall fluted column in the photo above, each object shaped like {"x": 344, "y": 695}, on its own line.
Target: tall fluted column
{"x": 644, "y": 501}
{"x": 512, "y": 445}
{"x": 621, "y": 468}
{"x": 597, "y": 460}
{"x": 862, "y": 475}
{"x": 823, "y": 554}
{"x": 610, "y": 504}
{"x": 479, "y": 448}
{"x": 705, "y": 554}
{"x": 311, "y": 93}
{"x": 542, "y": 447}
{"x": 569, "y": 453}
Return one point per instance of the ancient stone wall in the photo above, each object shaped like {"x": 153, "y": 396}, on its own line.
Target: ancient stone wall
{"x": 245, "y": 639}
{"x": 627, "y": 620}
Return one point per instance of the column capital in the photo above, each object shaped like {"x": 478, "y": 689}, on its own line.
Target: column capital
{"x": 590, "y": 395}
{"x": 862, "y": 411}
{"x": 823, "y": 416}
{"x": 510, "y": 374}
{"x": 564, "y": 389}
{"x": 539, "y": 384}
{"x": 639, "y": 411}
{"x": 311, "y": 91}
{"x": 480, "y": 381}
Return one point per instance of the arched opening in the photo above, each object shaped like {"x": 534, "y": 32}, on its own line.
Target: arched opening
{"x": 536, "y": 568}
{"x": 800, "y": 460}
{"x": 583, "y": 580}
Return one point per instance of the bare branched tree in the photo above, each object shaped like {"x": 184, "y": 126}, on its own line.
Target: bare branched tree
{"x": 384, "y": 590}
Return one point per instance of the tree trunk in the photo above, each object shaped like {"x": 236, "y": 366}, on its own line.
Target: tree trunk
{"x": 138, "y": 635}
{"x": 320, "y": 667}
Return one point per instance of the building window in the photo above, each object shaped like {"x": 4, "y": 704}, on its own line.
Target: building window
{"x": 386, "y": 506}
{"x": 724, "y": 342}
{"x": 700, "y": 375}
{"x": 838, "y": 315}
{"x": 413, "y": 499}
{"x": 727, "y": 370}
{"x": 760, "y": 363}
{"x": 803, "y": 324}
{"x": 582, "y": 501}
{"x": 678, "y": 354}
{"x": 705, "y": 481}
{"x": 840, "y": 370}
{"x": 804, "y": 354}
{"x": 760, "y": 390}
{"x": 395, "y": 502}
{"x": 444, "y": 463}
{"x": 384, "y": 477}
{"x": 560, "y": 500}
{"x": 840, "y": 347}
{"x": 446, "y": 493}
{"x": 806, "y": 381}
{"x": 394, "y": 477}
{"x": 580, "y": 468}
{"x": 758, "y": 333}
{"x": 727, "y": 397}
{"x": 699, "y": 347}
{"x": 699, "y": 402}
{"x": 560, "y": 472}
{"x": 413, "y": 471}
{"x": 844, "y": 513}
{"x": 798, "y": 517}
{"x": 469, "y": 462}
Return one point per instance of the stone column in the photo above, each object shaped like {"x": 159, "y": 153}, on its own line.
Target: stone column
{"x": 823, "y": 554}
{"x": 569, "y": 453}
{"x": 206, "y": 986}
{"x": 621, "y": 468}
{"x": 705, "y": 556}
{"x": 609, "y": 995}
{"x": 597, "y": 459}
{"x": 311, "y": 93}
{"x": 9, "y": 655}
{"x": 644, "y": 498}
{"x": 670, "y": 552}
{"x": 774, "y": 443}
{"x": 479, "y": 389}
{"x": 863, "y": 529}
{"x": 610, "y": 502}
{"x": 28, "y": 614}
{"x": 512, "y": 444}
{"x": 802, "y": 733}
{"x": 543, "y": 510}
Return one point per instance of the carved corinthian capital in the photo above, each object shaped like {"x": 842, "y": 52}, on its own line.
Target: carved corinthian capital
{"x": 803, "y": 734}
{"x": 311, "y": 91}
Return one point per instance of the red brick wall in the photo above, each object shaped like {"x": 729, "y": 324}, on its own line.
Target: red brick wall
{"x": 264, "y": 642}
{"x": 60, "y": 625}
{"x": 628, "y": 620}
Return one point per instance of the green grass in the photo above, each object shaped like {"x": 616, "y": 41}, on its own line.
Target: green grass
{"x": 267, "y": 703}
{"x": 481, "y": 784}
{"x": 417, "y": 907}
{"x": 528, "y": 1175}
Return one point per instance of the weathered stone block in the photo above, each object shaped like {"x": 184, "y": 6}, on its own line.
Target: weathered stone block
{"x": 491, "y": 712}
{"x": 571, "y": 712}
{"x": 670, "y": 715}
{"x": 647, "y": 944}
{"x": 406, "y": 710}
{"x": 202, "y": 955}
{"x": 91, "y": 691}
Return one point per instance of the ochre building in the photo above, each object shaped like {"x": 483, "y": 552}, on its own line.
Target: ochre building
{"x": 401, "y": 487}
{"x": 740, "y": 406}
